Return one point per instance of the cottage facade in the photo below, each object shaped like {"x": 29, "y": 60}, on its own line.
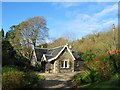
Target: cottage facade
{"x": 58, "y": 60}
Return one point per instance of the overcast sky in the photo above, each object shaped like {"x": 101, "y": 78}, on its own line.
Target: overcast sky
{"x": 63, "y": 18}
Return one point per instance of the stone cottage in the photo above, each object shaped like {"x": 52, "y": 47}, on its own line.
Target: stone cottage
{"x": 58, "y": 60}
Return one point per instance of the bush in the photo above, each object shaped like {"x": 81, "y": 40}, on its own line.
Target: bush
{"x": 13, "y": 78}
{"x": 37, "y": 67}
{"x": 103, "y": 65}
{"x": 114, "y": 82}
{"x": 78, "y": 79}
{"x": 115, "y": 79}
{"x": 88, "y": 56}
{"x": 87, "y": 77}
{"x": 32, "y": 80}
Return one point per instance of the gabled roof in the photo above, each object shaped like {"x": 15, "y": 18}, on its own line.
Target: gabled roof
{"x": 51, "y": 54}
{"x": 39, "y": 52}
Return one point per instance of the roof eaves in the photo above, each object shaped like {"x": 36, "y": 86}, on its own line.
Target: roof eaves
{"x": 70, "y": 53}
{"x": 44, "y": 57}
{"x": 61, "y": 52}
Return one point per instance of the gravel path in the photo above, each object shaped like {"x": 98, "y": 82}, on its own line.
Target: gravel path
{"x": 59, "y": 80}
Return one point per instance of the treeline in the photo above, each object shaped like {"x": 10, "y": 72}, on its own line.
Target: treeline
{"x": 101, "y": 63}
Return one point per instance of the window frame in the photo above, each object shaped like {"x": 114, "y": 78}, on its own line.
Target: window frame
{"x": 62, "y": 64}
{"x": 65, "y": 64}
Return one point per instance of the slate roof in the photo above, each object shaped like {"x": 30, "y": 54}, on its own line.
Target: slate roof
{"x": 51, "y": 53}
{"x": 39, "y": 53}
{"x": 75, "y": 54}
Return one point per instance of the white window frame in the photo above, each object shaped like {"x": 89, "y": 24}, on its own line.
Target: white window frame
{"x": 64, "y": 64}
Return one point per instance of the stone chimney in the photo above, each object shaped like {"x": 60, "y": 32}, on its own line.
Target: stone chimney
{"x": 69, "y": 46}
{"x": 41, "y": 46}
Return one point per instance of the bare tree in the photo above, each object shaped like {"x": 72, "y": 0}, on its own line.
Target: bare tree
{"x": 35, "y": 29}
{"x": 26, "y": 34}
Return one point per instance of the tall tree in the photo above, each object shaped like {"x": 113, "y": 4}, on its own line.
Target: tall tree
{"x": 34, "y": 29}
{"x": 10, "y": 33}
{"x": 2, "y": 33}
{"x": 27, "y": 33}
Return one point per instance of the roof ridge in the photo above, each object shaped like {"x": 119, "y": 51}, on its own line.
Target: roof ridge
{"x": 40, "y": 48}
{"x": 47, "y": 54}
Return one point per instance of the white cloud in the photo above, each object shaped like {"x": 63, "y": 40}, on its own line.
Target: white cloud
{"x": 107, "y": 23}
{"x": 60, "y": 5}
{"x": 83, "y": 24}
{"x": 70, "y": 4}
{"x": 108, "y": 9}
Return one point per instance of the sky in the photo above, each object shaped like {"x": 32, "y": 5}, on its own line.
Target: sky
{"x": 70, "y": 19}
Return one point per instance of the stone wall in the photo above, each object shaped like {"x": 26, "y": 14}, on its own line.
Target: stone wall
{"x": 67, "y": 57}
{"x": 49, "y": 67}
{"x": 55, "y": 66}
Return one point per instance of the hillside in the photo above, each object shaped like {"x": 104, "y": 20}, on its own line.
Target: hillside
{"x": 97, "y": 42}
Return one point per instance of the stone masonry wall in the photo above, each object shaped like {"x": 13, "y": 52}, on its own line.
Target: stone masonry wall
{"x": 64, "y": 56}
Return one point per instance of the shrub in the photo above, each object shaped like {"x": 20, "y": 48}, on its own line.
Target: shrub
{"x": 103, "y": 65}
{"x": 87, "y": 77}
{"x": 13, "y": 78}
{"x": 114, "y": 82}
{"x": 37, "y": 67}
{"x": 88, "y": 56}
{"x": 78, "y": 79}
{"x": 32, "y": 80}
{"x": 90, "y": 76}
{"x": 115, "y": 79}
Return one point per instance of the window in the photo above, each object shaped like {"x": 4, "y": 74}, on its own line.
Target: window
{"x": 64, "y": 64}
